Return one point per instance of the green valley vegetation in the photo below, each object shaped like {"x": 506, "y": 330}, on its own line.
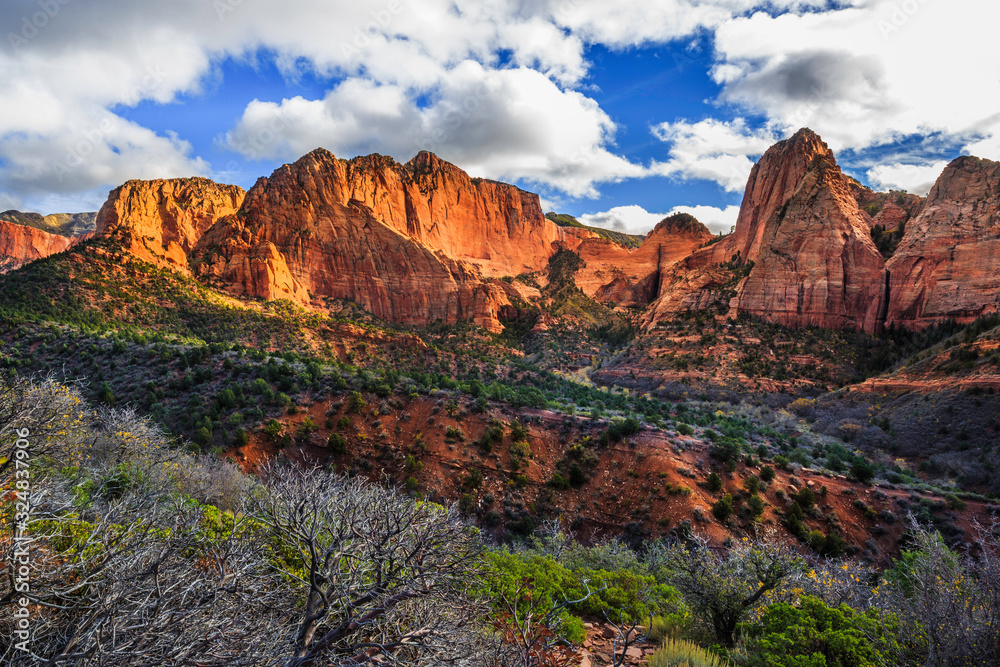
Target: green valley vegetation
{"x": 303, "y": 565}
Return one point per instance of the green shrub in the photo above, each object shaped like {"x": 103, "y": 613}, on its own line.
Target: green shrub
{"x": 714, "y": 483}
{"x": 272, "y": 429}
{"x": 559, "y": 482}
{"x": 337, "y": 444}
{"x": 814, "y": 634}
{"x": 723, "y": 508}
{"x": 862, "y": 471}
{"x": 805, "y": 498}
{"x": 107, "y": 397}
{"x": 685, "y": 429}
{"x": 725, "y": 449}
{"x": 535, "y": 584}
{"x": 356, "y": 402}
{"x": 954, "y": 502}
{"x": 203, "y": 436}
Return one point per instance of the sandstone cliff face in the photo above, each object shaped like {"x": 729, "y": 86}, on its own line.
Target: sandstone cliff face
{"x": 160, "y": 221}
{"x": 816, "y": 262}
{"x": 64, "y": 224}
{"x": 808, "y": 243}
{"x": 498, "y": 227}
{"x": 304, "y": 234}
{"x": 631, "y": 278}
{"x": 20, "y": 244}
{"x": 947, "y": 262}
{"x": 773, "y": 181}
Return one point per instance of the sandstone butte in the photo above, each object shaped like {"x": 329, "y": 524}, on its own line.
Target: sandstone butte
{"x": 946, "y": 265}
{"x": 694, "y": 282}
{"x": 817, "y": 263}
{"x": 160, "y": 221}
{"x": 20, "y": 244}
{"x": 419, "y": 242}
{"x": 631, "y": 277}
{"x": 412, "y": 243}
{"x": 801, "y": 253}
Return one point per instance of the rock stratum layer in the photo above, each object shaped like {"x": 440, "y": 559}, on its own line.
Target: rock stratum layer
{"x": 420, "y": 242}
{"x": 161, "y": 221}
{"x": 946, "y": 265}
{"x": 411, "y": 243}
{"x": 801, "y": 253}
{"x": 64, "y": 224}
{"x": 20, "y": 244}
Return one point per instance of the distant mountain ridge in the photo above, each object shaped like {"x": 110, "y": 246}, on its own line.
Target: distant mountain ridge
{"x": 627, "y": 240}
{"x": 64, "y": 224}
{"x": 421, "y": 242}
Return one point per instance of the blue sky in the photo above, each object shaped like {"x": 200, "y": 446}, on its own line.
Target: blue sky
{"x": 617, "y": 114}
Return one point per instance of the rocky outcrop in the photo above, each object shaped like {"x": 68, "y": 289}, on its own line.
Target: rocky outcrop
{"x": 64, "y": 224}
{"x": 627, "y": 277}
{"x": 376, "y": 232}
{"x": 816, "y": 263}
{"x": 773, "y": 181}
{"x": 160, "y": 221}
{"x": 801, "y": 253}
{"x": 637, "y": 276}
{"x": 20, "y": 244}
{"x": 495, "y": 226}
{"x": 946, "y": 264}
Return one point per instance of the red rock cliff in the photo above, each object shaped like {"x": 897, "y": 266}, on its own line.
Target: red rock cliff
{"x": 160, "y": 221}
{"x": 498, "y": 227}
{"x": 814, "y": 262}
{"x": 380, "y": 233}
{"x": 20, "y": 244}
{"x": 631, "y": 277}
{"x": 946, "y": 265}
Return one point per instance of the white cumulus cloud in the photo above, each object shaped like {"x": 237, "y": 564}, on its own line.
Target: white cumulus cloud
{"x": 635, "y": 219}
{"x": 712, "y": 150}
{"x": 509, "y": 124}
{"x": 915, "y": 178}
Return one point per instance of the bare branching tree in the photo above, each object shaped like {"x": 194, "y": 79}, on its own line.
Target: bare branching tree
{"x": 137, "y": 581}
{"x": 362, "y": 558}
{"x": 43, "y": 412}
{"x": 132, "y": 561}
{"x": 942, "y": 607}
{"x": 630, "y": 630}
{"x": 723, "y": 587}
{"x": 532, "y": 625}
